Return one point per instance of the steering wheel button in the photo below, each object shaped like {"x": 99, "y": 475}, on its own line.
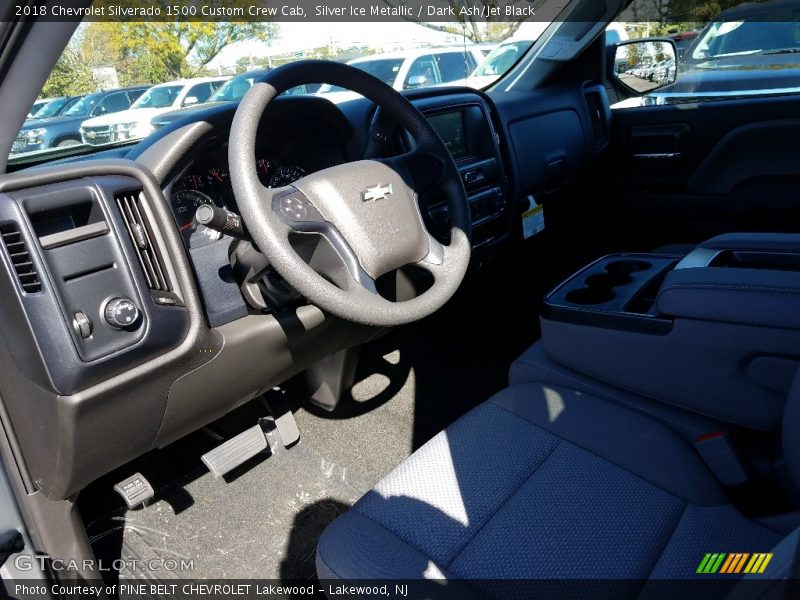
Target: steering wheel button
{"x": 294, "y": 208}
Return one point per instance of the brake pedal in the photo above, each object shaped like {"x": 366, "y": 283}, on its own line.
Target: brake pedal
{"x": 284, "y": 420}
{"x": 226, "y": 457}
{"x": 135, "y": 490}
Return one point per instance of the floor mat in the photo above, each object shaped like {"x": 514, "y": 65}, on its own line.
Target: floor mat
{"x": 263, "y": 521}
{"x": 260, "y": 523}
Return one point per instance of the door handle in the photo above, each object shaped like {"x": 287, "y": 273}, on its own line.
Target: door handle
{"x": 657, "y": 156}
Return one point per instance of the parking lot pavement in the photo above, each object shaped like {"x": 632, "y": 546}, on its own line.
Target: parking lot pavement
{"x": 636, "y": 83}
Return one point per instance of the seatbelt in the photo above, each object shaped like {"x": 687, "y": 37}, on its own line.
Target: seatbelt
{"x": 720, "y": 455}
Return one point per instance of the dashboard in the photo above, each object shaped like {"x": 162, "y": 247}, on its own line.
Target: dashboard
{"x": 87, "y": 392}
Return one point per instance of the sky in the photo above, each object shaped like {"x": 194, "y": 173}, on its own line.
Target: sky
{"x": 300, "y": 36}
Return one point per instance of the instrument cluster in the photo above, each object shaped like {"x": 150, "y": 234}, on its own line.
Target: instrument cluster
{"x": 209, "y": 183}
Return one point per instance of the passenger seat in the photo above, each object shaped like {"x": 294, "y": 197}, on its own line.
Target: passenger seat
{"x": 545, "y": 482}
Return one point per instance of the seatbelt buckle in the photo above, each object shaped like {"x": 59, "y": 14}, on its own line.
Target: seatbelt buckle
{"x": 720, "y": 455}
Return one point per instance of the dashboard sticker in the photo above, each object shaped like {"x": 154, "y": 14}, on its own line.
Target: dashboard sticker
{"x": 532, "y": 219}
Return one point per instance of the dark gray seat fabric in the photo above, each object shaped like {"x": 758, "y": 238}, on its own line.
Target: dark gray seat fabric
{"x": 541, "y": 482}
{"x": 535, "y": 366}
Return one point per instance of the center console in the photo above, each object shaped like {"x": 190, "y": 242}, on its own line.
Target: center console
{"x": 465, "y": 124}
{"x": 716, "y": 332}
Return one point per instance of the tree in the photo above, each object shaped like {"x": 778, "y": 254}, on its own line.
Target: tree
{"x": 701, "y": 11}
{"x": 151, "y": 52}
{"x": 475, "y": 27}
{"x": 70, "y": 76}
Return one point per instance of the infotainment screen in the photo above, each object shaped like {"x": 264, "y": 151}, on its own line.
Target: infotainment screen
{"x": 450, "y": 127}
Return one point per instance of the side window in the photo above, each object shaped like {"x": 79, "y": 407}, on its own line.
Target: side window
{"x": 749, "y": 49}
{"x": 455, "y": 65}
{"x": 422, "y": 73}
{"x": 199, "y": 92}
{"x": 112, "y": 103}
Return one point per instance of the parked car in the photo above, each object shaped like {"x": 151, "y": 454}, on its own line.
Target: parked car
{"x": 411, "y": 70}
{"x": 744, "y": 51}
{"x": 683, "y": 41}
{"x": 56, "y": 107}
{"x": 134, "y": 123}
{"x": 38, "y": 105}
{"x": 64, "y": 130}
{"x": 502, "y": 58}
{"x": 231, "y": 91}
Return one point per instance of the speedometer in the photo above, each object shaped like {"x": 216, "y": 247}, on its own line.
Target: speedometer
{"x": 285, "y": 175}
{"x": 193, "y": 181}
{"x": 217, "y": 176}
{"x": 184, "y": 205}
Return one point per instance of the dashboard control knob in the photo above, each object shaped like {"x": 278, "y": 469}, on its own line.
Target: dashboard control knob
{"x": 121, "y": 313}
{"x": 82, "y": 324}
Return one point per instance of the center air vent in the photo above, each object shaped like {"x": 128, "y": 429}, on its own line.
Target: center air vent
{"x": 139, "y": 230}
{"x": 20, "y": 258}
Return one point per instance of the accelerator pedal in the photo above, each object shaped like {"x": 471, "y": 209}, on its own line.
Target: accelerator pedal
{"x": 226, "y": 457}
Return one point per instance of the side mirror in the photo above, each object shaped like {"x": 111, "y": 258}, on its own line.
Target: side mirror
{"x": 643, "y": 66}
{"x": 189, "y": 100}
{"x": 100, "y": 110}
{"x": 416, "y": 81}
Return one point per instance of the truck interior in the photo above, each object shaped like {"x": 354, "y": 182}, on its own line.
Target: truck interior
{"x": 479, "y": 337}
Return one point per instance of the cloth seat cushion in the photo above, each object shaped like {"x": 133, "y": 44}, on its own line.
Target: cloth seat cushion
{"x": 541, "y": 482}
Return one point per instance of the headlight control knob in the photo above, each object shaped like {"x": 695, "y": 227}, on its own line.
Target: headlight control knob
{"x": 121, "y": 313}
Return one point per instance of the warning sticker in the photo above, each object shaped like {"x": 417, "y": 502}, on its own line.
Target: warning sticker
{"x": 532, "y": 219}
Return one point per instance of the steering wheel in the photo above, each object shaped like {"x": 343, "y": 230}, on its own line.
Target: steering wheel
{"x": 367, "y": 210}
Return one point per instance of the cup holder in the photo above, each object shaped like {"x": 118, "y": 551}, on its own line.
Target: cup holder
{"x": 599, "y": 288}
{"x": 628, "y": 266}
{"x": 608, "y": 280}
{"x": 590, "y": 296}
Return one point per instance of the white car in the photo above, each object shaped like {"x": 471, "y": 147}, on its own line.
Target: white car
{"x": 500, "y": 60}
{"x": 412, "y": 69}
{"x": 134, "y": 123}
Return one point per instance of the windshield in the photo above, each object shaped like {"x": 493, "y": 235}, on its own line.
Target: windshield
{"x": 385, "y": 69}
{"x": 162, "y": 96}
{"x": 502, "y": 58}
{"x": 737, "y": 38}
{"x": 83, "y": 106}
{"x": 183, "y": 61}
{"x": 233, "y": 90}
{"x": 51, "y": 109}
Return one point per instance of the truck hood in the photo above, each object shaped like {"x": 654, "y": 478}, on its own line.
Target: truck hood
{"x": 36, "y": 123}
{"x": 737, "y": 73}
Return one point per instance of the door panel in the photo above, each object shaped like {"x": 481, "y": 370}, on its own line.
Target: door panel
{"x": 708, "y": 168}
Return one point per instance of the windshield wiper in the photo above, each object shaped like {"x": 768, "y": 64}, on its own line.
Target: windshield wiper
{"x": 781, "y": 51}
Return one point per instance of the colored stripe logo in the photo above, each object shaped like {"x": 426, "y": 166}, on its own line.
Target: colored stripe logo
{"x": 733, "y": 563}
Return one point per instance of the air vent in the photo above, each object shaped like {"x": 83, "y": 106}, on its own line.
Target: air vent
{"x": 21, "y": 258}
{"x": 139, "y": 230}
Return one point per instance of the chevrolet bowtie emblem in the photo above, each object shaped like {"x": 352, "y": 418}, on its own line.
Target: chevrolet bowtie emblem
{"x": 378, "y": 192}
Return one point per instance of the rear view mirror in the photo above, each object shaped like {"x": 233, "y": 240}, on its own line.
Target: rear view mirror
{"x": 645, "y": 65}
